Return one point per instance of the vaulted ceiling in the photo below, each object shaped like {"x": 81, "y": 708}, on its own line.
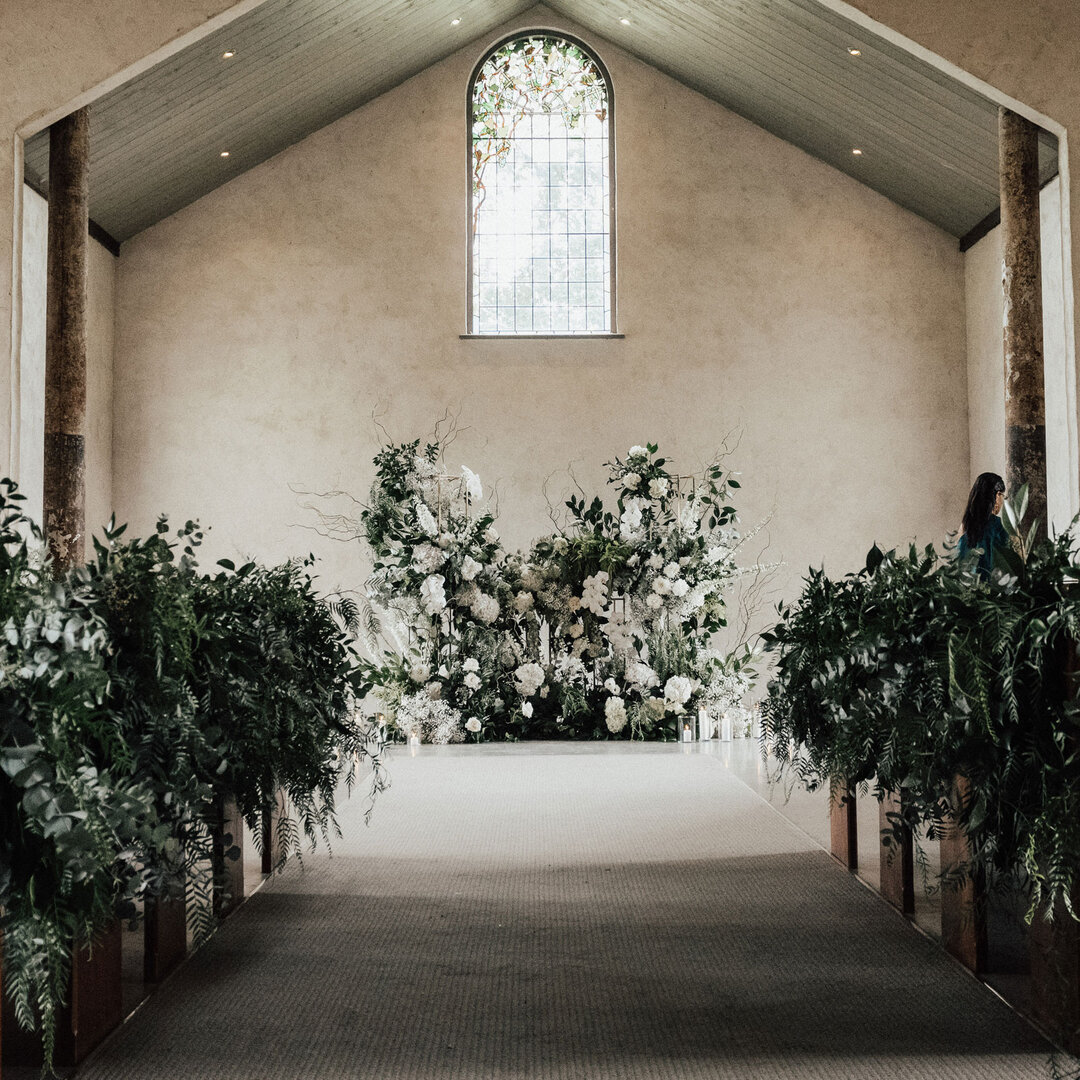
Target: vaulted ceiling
{"x": 794, "y": 67}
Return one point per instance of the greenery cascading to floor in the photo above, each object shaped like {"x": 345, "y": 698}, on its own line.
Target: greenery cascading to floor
{"x": 136, "y": 693}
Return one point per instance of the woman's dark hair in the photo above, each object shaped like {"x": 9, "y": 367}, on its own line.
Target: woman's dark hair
{"x": 980, "y": 505}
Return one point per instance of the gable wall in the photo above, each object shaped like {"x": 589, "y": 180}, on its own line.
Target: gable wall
{"x": 763, "y": 296}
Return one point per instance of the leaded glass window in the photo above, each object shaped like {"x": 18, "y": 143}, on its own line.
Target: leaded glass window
{"x": 540, "y": 164}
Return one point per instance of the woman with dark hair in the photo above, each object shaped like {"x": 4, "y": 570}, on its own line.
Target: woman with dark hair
{"x": 981, "y": 527}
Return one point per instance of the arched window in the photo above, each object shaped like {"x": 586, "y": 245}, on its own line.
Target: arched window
{"x": 541, "y": 180}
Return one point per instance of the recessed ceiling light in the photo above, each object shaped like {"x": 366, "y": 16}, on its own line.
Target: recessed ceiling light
{"x": 224, "y": 153}
{"x": 625, "y": 22}
{"x": 854, "y": 51}
{"x": 454, "y": 22}
{"x": 857, "y": 152}
{"x": 228, "y": 55}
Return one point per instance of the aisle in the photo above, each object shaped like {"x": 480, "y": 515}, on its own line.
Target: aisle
{"x": 587, "y": 912}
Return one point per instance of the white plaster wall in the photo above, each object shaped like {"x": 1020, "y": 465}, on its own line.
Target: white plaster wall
{"x": 761, "y": 293}
{"x": 983, "y": 272}
{"x": 101, "y": 284}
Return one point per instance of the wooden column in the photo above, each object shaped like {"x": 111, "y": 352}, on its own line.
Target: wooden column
{"x": 164, "y": 932}
{"x": 271, "y": 849}
{"x": 843, "y": 825}
{"x": 65, "y": 343}
{"x": 228, "y": 858}
{"x": 897, "y": 861}
{"x": 963, "y": 910}
{"x": 1025, "y": 409}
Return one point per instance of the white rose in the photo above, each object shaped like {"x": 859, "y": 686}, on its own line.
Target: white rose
{"x": 658, "y": 488}
{"x": 470, "y": 568}
{"x": 576, "y": 630}
{"x": 527, "y": 709}
{"x": 420, "y": 673}
{"x": 662, "y": 586}
{"x": 638, "y": 451}
{"x": 631, "y": 480}
{"x": 672, "y": 570}
{"x": 611, "y": 686}
{"x": 656, "y": 560}
{"x": 472, "y": 680}
{"x": 472, "y": 724}
{"x": 491, "y": 535}
{"x": 679, "y": 588}
{"x": 472, "y": 664}
{"x": 654, "y": 601}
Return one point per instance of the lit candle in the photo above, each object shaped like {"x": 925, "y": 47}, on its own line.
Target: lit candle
{"x": 414, "y": 739}
{"x": 687, "y": 735}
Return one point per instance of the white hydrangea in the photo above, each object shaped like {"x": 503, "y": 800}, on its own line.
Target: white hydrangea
{"x": 639, "y": 674}
{"x": 470, "y": 568}
{"x": 485, "y": 608}
{"x": 472, "y": 484}
{"x": 677, "y": 691}
{"x": 523, "y": 602}
{"x": 432, "y": 594}
{"x": 528, "y": 678}
{"x": 427, "y": 558}
{"x": 531, "y": 579}
{"x": 615, "y": 714}
{"x": 715, "y": 555}
{"x": 679, "y": 587}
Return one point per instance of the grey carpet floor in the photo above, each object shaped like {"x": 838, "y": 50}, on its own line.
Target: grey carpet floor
{"x": 531, "y": 913}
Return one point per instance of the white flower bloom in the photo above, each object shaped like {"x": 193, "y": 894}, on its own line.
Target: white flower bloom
{"x": 638, "y": 451}
{"x": 472, "y": 484}
{"x": 593, "y": 595}
{"x": 427, "y": 558}
{"x": 654, "y": 601}
{"x": 679, "y": 587}
{"x": 434, "y": 690}
{"x": 472, "y": 680}
{"x": 420, "y": 672}
{"x": 715, "y": 555}
{"x": 485, "y": 608}
{"x": 631, "y": 480}
{"x": 579, "y": 646}
{"x": 523, "y": 602}
{"x": 630, "y": 521}
{"x": 576, "y": 630}
{"x": 527, "y": 710}
{"x": 470, "y": 568}
{"x": 615, "y": 714}
{"x": 677, "y": 691}
{"x": 443, "y": 672}
{"x": 472, "y": 724}
{"x": 638, "y": 673}
{"x": 672, "y": 570}
{"x": 445, "y": 540}
{"x": 658, "y": 488}
{"x": 656, "y": 560}
{"x": 491, "y": 535}
{"x": 531, "y": 580}
{"x": 425, "y": 518}
{"x": 560, "y": 545}
{"x": 432, "y": 595}
{"x": 472, "y": 664}
{"x": 661, "y": 585}
{"x": 684, "y": 560}
{"x": 528, "y": 678}
{"x": 633, "y": 560}
{"x": 611, "y": 686}
{"x": 573, "y": 604}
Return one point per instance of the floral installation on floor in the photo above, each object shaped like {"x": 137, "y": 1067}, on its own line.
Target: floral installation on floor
{"x": 603, "y": 629}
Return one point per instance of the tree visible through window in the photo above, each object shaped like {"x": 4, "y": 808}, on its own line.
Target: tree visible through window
{"x": 540, "y": 165}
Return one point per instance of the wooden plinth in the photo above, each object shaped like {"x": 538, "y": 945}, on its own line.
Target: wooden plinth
{"x": 95, "y": 1008}
{"x": 228, "y": 857}
{"x": 1054, "y": 953}
{"x": 963, "y": 909}
{"x": 897, "y": 860}
{"x": 164, "y": 935}
{"x": 843, "y": 825}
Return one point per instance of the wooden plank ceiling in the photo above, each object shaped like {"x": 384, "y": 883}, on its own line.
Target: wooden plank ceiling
{"x": 928, "y": 142}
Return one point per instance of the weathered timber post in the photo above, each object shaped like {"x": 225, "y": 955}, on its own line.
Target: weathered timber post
{"x": 65, "y": 343}
{"x": 897, "y": 874}
{"x": 843, "y": 825}
{"x": 1025, "y": 407}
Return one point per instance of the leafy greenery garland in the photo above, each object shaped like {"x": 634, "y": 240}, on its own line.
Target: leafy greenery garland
{"x": 912, "y": 672}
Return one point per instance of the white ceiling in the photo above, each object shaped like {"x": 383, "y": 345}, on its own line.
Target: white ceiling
{"x": 930, "y": 143}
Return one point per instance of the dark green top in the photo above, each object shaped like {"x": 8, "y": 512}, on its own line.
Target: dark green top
{"x": 994, "y": 537}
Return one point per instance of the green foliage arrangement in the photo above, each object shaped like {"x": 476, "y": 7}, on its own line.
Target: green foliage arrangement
{"x": 913, "y": 672}
{"x": 136, "y": 696}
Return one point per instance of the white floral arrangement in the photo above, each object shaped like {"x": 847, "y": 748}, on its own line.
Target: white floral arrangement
{"x": 602, "y": 629}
